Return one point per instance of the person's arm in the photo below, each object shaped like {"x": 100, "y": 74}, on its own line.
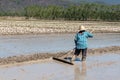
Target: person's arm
{"x": 90, "y": 35}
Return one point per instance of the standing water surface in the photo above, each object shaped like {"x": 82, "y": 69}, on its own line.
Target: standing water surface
{"x": 51, "y": 43}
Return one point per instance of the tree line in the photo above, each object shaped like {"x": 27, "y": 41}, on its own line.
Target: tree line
{"x": 83, "y": 12}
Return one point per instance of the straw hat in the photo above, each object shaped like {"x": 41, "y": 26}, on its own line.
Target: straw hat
{"x": 81, "y": 28}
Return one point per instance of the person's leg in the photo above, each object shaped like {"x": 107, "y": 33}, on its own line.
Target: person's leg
{"x": 76, "y": 54}
{"x": 84, "y": 54}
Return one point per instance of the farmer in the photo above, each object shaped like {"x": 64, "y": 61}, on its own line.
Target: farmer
{"x": 81, "y": 42}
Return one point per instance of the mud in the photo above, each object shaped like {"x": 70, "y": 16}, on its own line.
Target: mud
{"x": 10, "y": 27}
{"x": 97, "y": 67}
{"x": 44, "y": 56}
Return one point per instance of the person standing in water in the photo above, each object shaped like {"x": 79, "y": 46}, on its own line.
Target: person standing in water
{"x": 81, "y": 44}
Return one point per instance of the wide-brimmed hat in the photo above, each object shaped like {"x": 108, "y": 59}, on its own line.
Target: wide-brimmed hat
{"x": 81, "y": 28}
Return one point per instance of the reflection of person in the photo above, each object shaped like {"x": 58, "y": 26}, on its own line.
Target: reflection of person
{"x": 81, "y": 42}
{"x": 83, "y": 71}
{"x": 80, "y": 74}
{"x": 77, "y": 72}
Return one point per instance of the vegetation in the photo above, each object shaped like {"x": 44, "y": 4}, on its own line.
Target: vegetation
{"x": 86, "y": 11}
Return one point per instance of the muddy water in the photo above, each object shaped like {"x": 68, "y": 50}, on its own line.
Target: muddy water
{"x": 51, "y": 43}
{"x": 97, "y": 67}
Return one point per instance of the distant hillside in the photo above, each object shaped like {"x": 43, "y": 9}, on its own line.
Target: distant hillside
{"x": 98, "y": 1}
{"x": 6, "y": 5}
{"x": 13, "y": 5}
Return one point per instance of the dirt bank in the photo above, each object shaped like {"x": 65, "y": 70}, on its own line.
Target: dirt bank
{"x": 8, "y": 27}
{"x": 40, "y": 56}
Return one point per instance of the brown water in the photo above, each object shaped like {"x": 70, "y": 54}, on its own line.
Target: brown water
{"x": 28, "y": 44}
{"x": 97, "y": 67}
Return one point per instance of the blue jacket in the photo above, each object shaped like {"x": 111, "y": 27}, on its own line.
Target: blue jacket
{"x": 81, "y": 39}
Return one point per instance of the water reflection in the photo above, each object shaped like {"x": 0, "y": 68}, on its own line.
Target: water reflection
{"x": 80, "y": 71}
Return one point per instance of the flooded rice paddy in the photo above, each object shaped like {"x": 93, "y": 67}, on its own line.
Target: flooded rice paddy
{"x": 97, "y": 67}
{"x": 104, "y": 65}
{"x": 50, "y": 43}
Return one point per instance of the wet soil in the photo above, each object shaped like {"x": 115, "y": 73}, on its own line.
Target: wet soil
{"x": 43, "y": 56}
{"x": 16, "y": 27}
{"x": 97, "y": 67}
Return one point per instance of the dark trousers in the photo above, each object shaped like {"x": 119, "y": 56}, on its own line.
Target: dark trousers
{"x": 78, "y": 51}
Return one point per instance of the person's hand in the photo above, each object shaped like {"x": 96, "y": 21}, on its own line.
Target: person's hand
{"x": 92, "y": 31}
